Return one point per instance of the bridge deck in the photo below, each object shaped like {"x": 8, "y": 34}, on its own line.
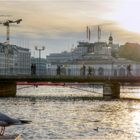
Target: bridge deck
{"x": 79, "y": 79}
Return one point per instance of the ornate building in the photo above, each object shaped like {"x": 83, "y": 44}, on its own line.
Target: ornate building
{"x": 92, "y": 59}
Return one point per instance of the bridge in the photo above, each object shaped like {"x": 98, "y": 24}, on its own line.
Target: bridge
{"x": 111, "y": 84}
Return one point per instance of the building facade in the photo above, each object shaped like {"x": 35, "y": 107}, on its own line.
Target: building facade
{"x": 120, "y": 67}
{"x": 94, "y": 59}
{"x": 14, "y": 60}
{"x": 38, "y": 66}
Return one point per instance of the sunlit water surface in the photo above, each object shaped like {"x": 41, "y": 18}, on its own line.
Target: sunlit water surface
{"x": 73, "y": 113}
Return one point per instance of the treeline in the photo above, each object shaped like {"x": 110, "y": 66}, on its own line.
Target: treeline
{"x": 130, "y": 51}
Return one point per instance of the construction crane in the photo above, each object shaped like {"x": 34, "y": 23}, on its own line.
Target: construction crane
{"x": 7, "y": 24}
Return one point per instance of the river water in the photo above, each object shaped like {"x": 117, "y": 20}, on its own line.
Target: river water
{"x": 74, "y": 113}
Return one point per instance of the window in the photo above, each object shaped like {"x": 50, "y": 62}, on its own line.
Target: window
{"x": 122, "y": 72}
{"x": 100, "y": 71}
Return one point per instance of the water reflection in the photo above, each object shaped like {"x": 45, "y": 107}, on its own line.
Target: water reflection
{"x": 69, "y": 113}
{"x": 131, "y": 92}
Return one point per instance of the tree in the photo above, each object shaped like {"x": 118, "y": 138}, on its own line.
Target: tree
{"x": 130, "y": 51}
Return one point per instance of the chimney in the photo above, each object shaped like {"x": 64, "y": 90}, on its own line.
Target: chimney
{"x": 87, "y": 33}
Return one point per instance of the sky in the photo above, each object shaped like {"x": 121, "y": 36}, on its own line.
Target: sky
{"x": 60, "y": 24}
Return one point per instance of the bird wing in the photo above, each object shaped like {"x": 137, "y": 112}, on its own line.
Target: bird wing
{"x": 7, "y": 121}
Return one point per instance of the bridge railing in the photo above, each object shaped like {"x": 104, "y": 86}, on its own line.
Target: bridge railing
{"x": 96, "y": 72}
{"x": 72, "y": 72}
{"x": 15, "y": 71}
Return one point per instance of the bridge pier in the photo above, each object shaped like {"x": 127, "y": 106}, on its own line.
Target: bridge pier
{"x": 111, "y": 91}
{"x": 7, "y": 89}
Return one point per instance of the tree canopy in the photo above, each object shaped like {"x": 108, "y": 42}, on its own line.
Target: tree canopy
{"x": 130, "y": 51}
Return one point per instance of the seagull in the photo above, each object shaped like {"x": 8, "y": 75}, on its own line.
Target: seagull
{"x": 96, "y": 129}
{"x": 8, "y": 121}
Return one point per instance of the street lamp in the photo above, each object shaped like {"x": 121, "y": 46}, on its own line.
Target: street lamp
{"x": 39, "y": 51}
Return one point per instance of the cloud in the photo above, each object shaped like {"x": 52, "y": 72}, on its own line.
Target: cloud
{"x": 63, "y": 21}
{"x": 54, "y": 16}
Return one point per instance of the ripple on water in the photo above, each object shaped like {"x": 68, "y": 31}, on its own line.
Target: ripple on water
{"x": 66, "y": 113}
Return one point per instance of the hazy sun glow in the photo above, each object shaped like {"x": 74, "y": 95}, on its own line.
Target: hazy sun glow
{"x": 128, "y": 15}
{"x": 65, "y": 21}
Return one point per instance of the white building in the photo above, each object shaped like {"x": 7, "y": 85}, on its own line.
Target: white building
{"x": 92, "y": 59}
{"x": 97, "y": 68}
{"x": 39, "y": 65}
{"x": 84, "y": 51}
{"x": 64, "y": 57}
{"x": 14, "y": 60}
{"x": 23, "y": 61}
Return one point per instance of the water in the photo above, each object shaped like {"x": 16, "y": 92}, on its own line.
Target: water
{"x": 70, "y": 113}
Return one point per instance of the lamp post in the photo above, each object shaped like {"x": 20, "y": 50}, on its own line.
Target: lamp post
{"x": 39, "y": 51}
